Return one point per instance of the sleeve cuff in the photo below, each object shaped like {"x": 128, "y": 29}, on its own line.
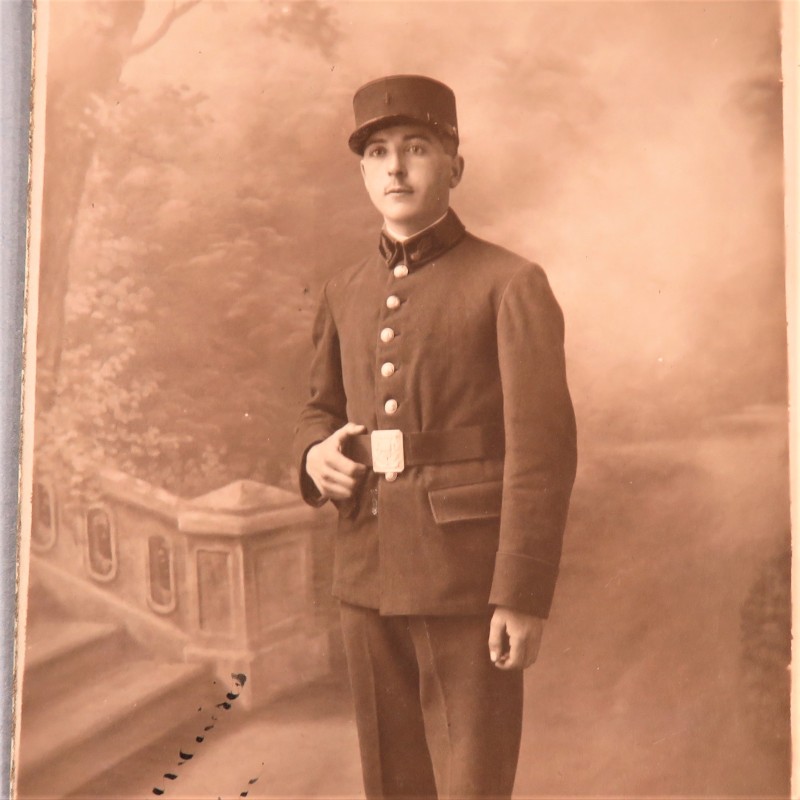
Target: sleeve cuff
{"x": 308, "y": 489}
{"x": 523, "y": 583}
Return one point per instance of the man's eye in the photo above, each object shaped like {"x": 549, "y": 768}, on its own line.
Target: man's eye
{"x": 416, "y": 149}
{"x": 372, "y": 152}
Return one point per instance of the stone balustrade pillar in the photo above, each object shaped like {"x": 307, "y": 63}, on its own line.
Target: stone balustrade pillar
{"x": 238, "y": 578}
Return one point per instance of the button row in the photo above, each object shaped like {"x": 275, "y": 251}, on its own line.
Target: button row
{"x": 388, "y": 369}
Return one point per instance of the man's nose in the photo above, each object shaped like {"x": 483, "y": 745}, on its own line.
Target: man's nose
{"x": 396, "y": 164}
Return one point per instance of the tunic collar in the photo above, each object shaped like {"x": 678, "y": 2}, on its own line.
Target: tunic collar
{"x": 424, "y": 246}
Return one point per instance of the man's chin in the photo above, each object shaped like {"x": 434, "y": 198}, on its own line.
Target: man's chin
{"x": 400, "y": 206}
{"x": 398, "y": 221}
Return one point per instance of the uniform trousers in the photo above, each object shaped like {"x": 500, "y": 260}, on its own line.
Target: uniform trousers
{"x": 435, "y": 717}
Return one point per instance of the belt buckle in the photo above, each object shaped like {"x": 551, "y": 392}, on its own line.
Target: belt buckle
{"x": 387, "y": 451}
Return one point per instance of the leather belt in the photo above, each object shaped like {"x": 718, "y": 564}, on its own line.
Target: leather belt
{"x": 436, "y": 447}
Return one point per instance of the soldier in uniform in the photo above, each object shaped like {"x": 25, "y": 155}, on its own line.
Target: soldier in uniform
{"x": 440, "y": 424}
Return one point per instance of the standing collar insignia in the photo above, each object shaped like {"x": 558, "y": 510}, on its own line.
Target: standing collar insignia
{"x": 425, "y": 245}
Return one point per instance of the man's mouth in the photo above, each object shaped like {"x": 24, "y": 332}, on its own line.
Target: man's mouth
{"x": 398, "y": 190}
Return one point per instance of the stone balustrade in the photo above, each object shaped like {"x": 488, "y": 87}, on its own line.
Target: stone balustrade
{"x": 238, "y": 578}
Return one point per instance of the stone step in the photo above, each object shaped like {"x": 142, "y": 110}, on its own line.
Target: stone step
{"x": 104, "y": 720}
{"x": 60, "y": 654}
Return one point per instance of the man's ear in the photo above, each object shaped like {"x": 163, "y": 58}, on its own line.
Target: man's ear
{"x": 363, "y": 172}
{"x": 456, "y": 171}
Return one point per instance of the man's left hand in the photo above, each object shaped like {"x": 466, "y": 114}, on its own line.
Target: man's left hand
{"x": 514, "y": 638}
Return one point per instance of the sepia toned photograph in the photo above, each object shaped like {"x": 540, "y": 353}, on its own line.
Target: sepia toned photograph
{"x": 406, "y": 401}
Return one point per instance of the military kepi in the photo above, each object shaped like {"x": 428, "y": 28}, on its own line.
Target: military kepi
{"x": 399, "y": 99}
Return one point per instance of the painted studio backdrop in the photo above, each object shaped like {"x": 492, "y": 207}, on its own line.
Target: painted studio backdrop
{"x": 198, "y": 191}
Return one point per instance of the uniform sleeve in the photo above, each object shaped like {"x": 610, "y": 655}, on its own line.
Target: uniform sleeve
{"x": 325, "y": 410}
{"x": 540, "y": 436}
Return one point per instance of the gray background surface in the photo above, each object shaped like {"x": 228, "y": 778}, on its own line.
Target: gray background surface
{"x": 15, "y": 54}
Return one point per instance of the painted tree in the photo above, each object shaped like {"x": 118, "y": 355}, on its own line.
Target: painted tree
{"x": 170, "y": 325}
{"x": 90, "y": 43}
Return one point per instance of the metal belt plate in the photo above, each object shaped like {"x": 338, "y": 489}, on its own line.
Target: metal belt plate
{"x": 387, "y": 451}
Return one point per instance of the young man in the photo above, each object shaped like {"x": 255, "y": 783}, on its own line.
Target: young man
{"x": 441, "y": 426}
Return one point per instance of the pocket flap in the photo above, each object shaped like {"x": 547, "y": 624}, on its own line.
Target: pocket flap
{"x": 460, "y": 503}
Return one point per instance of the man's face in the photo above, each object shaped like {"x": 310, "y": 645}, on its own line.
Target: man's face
{"x": 409, "y": 175}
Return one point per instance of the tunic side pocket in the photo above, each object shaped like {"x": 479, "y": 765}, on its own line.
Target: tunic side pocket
{"x": 473, "y": 501}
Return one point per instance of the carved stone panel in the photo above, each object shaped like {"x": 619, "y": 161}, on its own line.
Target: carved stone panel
{"x": 214, "y": 591}
{"x": 101, "y": 544}
{"x": 160, "y": 574}
{"x": 44, "y": 528}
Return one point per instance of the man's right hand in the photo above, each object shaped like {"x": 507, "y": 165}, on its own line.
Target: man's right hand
{"x": 335, "y": 475}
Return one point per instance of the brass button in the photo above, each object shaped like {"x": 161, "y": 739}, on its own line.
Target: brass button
{"x": 387, "y": 369}
{"x": 392, "y": 301}
{"x": 391, "y": 476}
{"x": 390, "y": 406}
{"x": 387, "y": 334}
{"x": 400, "y": 271}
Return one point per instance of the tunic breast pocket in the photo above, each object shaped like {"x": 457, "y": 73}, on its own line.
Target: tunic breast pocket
{"x": 473, "y": 501}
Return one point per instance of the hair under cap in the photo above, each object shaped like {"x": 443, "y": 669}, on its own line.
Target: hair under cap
{"x": 403, "y": 98}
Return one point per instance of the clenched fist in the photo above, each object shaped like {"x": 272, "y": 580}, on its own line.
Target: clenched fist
{"x": 514, "y": 638}
{"x": 335, "y": 476}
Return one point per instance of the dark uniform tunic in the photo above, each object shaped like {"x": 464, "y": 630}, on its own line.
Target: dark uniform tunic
{"x": 447, "y": 333}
